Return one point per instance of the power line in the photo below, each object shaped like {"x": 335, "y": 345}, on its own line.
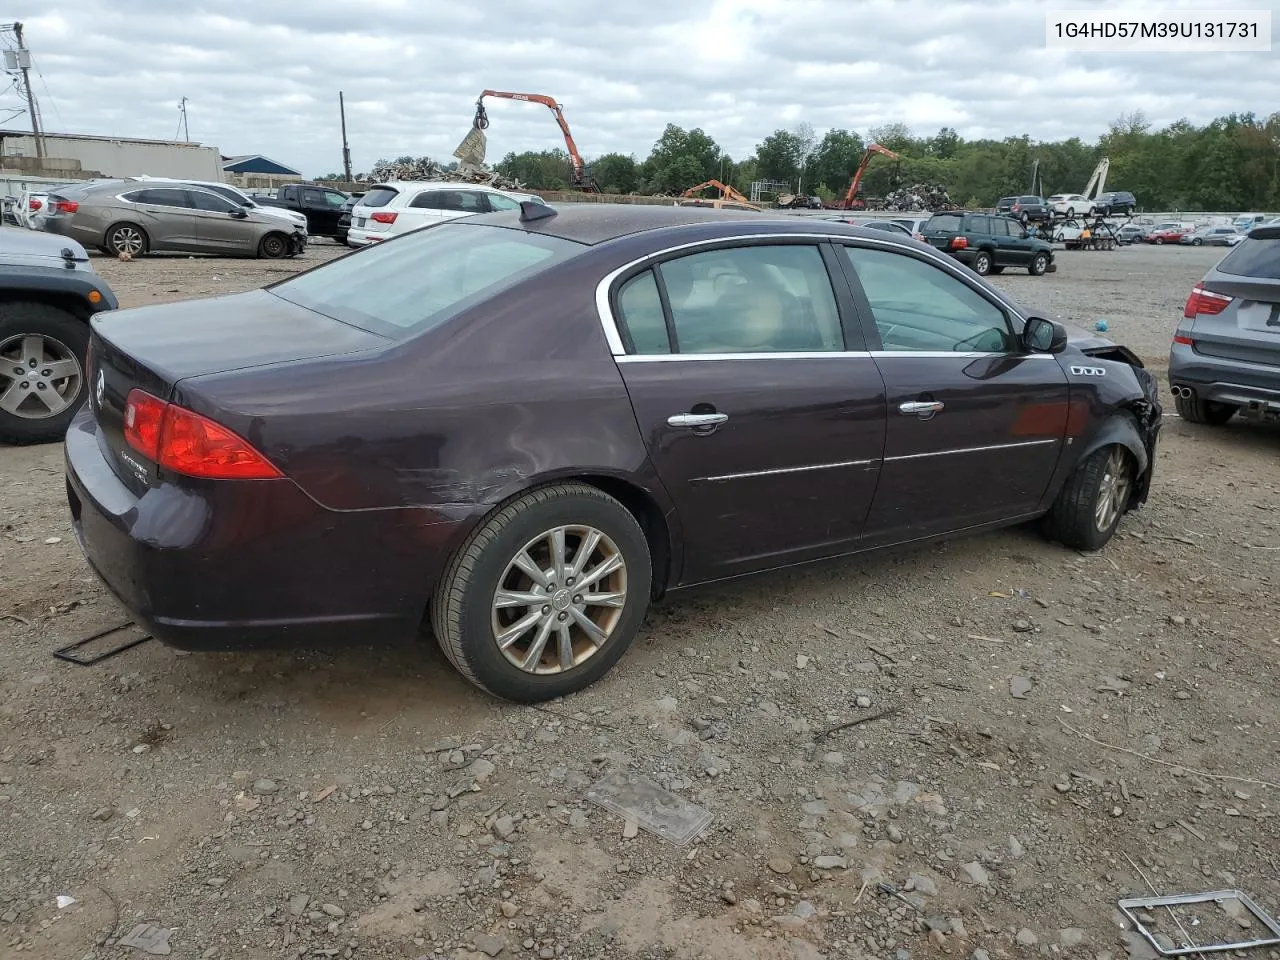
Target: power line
{"x": 49, "y": 94}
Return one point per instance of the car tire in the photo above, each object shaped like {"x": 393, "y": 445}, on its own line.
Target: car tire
{"x": 1159, "y": 241}
{"x": 1089, "y": 506}
{"x": 1071, "y": 212}
{"x": 1039, "y": 264}
{"x": 1207, "y": 412}
{"x": 467, "y": 617}
{"x": 1025, "y": 218}
{"x": 127, "y": 239}
{"x": 273, "y": 246}
{"x": 982, "y": 263}
{"x": 1197, "y": 242}
{"x": 63, "y": 336}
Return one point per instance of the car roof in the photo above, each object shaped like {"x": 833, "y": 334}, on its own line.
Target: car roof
{"x": 593, "y": 223}
{"x": 406, "y": 185}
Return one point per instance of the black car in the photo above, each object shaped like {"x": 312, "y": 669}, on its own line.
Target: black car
{"x": 344, "y": 221}
{"x": 575, "y": 412}
{"x": 1116, "y": 203}
{"x": 989, "y": 243}
{"x": 48, "y": 292}
{"x": 1024, "y": 209}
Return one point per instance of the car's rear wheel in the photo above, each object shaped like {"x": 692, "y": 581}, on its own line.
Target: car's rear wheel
{"x": 273, "y": 246}
{"x": 1039, "y": 264}
{"x": 982, "y": 263}
{"x": 546, "y": 596}
{"x": 1196, "y": 242}
{"x": 1206, "y": 412}
{"x": 1095, "y": 497}
{"x": 127, "y": 240}
{"x": 42, "y": 352}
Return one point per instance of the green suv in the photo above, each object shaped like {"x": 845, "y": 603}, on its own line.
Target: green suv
{"x": 988, "y": 243}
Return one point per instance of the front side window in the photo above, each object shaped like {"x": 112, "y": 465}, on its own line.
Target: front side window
{"x": 917, "y": 306}
{"x": 423, "y": 278}
{"x": 498, "y": 202}
{"x": 334, "y": 199}
{"x": 758, "y": 299}
{"x": 212, "y": 203}
{"x": 999, "y": 228}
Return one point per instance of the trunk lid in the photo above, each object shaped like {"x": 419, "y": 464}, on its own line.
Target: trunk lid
{"x": 153, "y": 348}
{"x": 1249, "y": 328}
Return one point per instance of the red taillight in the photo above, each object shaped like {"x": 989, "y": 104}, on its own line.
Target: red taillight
{"x": 183, "y": 441}
{"x": 34, "y": 204}
{"x": 959, "y": 243}
{"x": 1185, "y": 341}
{"x": 64, "y": 206}
{"x": 382, "y": 216}
{"x": 1204, "y": 303}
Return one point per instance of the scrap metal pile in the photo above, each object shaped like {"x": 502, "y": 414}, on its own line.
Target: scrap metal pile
{"x": 424, "y": 168}
{"x": 919, "y": 196}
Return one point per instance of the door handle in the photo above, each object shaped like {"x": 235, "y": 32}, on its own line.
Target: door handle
{"x": 924, "y": 409}
{"x": 696, "y": 419}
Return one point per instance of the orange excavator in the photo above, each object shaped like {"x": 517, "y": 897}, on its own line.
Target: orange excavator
{"x": 851, "y": 196}
{"x": 726, "y": 192}
{"x": 581, "y": 176}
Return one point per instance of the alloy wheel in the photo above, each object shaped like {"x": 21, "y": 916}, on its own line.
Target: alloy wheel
{"x": 1113, "y": 490}
{"x": 39, "y": 376}
{"x": 127, "y": 240}
{"x": 559, "y": 599}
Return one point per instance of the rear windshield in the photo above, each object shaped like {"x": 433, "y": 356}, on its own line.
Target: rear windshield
{"x": 1253, "y": 258}
{"x": 403, "y": 287}
{"x": 378, "y": 197}
{"x": 944, "y": 223}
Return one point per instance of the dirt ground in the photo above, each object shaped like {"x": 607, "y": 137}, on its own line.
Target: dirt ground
{"x": 1045, "y": 733}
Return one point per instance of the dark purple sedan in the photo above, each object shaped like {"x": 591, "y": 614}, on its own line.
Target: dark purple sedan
{"x": 523, "y": 427}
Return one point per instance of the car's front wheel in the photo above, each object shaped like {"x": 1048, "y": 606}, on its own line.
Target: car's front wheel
{"x": 546, "y": 596}
{"x": 982, "y": 263}
{"x": 1207, "y": 412}
{"x": 1093, "y": 500}
{"x": 273, "y": 246}
{"x": 42, "y": 351}
{"x": 1039, "y": 264}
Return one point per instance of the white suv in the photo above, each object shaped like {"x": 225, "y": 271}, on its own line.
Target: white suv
{"x": 390, "y": 209}
{"x": 239, "y": 198}
{"x": 1071, "y": 205}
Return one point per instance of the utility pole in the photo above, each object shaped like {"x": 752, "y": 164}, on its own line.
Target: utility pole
{"x": 182, "y": 109}
{"x": 24, "y": 65}
{"x": 346, "y": 150}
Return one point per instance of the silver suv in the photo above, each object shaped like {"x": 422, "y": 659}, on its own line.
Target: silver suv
{"x": 1226, "y": 352}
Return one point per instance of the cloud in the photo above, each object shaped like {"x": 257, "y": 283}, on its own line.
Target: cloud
{"x": 264, "y": 77}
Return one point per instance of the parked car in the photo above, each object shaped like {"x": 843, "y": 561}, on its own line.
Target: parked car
{"x": 1212, "y": 237}
{"x": 390, "y": 209}
{"x": 237, "y": 196}
{"x": 737, "y": 371}
{"x": 1071, "y": 205}
{"x": 125, "y": 217}
{"x": 1116, "y": 203}
{"x": 988, "y": 243}
{"x": 914, "y": 224}
{"x": 1247, "y": 221}
{"x": 1225, "y": 356}
{"x": 48, "y": 292}
{"x": 1023, "y": 209}
{"x": 872, "y": 223}
{"x": 1163, "y": 233}
{"x": 321, "y": 206}
{"x": 344, "y": 222}
{"x": 1130, "y": 233}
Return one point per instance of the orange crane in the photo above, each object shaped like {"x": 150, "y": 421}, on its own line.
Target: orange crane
{"x": 852, "y": 193}
{"x": 726, "y": 192}
{"x": 581, "y": 177}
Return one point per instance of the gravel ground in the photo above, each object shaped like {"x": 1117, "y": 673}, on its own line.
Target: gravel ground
{"x": 1044, "y": 733}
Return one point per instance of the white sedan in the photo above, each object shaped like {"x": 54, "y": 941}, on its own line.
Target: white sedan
{"x": 1071, "y": 205}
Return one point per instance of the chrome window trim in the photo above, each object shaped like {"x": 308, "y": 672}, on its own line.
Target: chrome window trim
{"x": 825, "y": 354}
{"x": 609, "y": 323}
{"x": 721, "y": 478}
{"x": 993, "y": 446}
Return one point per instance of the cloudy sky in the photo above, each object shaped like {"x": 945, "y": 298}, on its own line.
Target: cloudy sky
{"x": 263, "y": 76}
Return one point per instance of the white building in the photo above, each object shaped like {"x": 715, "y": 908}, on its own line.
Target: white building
{"x": 73, "y": 155}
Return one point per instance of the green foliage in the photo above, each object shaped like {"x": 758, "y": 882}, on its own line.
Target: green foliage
{"x": 541, "y": 170}
{"x": 834, "y": 161}
{"x": 616, "y": 173}
{"x": 681, "y": 159}
{"x": 779, "y": 156}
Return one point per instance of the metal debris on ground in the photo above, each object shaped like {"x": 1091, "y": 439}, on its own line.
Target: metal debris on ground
{"x": 659, "y": 811}
{"x": 919, "y": 196}
{"x": 72, "y": 651}
{"x": 149, "y": 938}
{"x": 1239, "y": 910}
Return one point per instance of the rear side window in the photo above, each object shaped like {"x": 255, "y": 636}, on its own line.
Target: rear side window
{"x": 640, "y": 309}
{"x": 1254, "y": 258}
{"x": 945, "y": 223}
{"x": 418, "y": 281}
{"x": 428, "y": 200}
{"x": 378, "y": 197}
{"x": 465, "y": 201}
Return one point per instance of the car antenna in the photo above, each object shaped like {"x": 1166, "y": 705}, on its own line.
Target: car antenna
{"x": 530, "y": 211}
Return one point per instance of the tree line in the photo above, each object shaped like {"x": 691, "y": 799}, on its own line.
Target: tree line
{"x": 1231, "y": 163}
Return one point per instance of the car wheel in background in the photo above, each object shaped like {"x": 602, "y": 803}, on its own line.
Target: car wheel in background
{"x": 1095, "y": 497}
{"x": 546, "y": 596}
{"x": 1039, "y": 264}
{"x": 42, "y": 351}
{"x": 1206, "y": 412}
{"x": 273, "y": 246}
{"x": 1196, "y": 242}
{"x": 127, "y": 240}
{"x": 982, "y": 263}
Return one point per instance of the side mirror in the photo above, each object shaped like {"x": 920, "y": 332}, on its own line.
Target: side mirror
{"x": 239, "y": 214}
{"x": 1043, "y": 336}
